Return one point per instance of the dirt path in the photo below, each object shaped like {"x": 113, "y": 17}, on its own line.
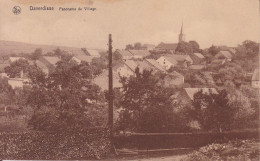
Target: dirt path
{"x": 166, "y": 158}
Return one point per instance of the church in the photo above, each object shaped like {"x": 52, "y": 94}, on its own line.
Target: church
{"x": 170, "y": 47}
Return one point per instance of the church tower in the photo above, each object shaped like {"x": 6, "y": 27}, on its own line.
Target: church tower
{"x": 181, "y": 35}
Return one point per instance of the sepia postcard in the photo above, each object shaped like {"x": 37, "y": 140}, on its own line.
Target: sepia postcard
{"x": 159, "y": 80}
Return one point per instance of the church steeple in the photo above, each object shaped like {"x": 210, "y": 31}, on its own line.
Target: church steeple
{"x": 181, "y": 35}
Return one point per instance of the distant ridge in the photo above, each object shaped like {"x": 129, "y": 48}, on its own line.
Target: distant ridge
{"x": 13, "y": 47}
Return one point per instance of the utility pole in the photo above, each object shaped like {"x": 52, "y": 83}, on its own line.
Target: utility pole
{"x": 110, "y": 96}
{"x": 110, "y": 85}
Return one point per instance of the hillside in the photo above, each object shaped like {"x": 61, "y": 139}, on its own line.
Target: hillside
{"x": 12, "y": 47}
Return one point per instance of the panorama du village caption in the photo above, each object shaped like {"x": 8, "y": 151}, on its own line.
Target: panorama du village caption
{"x": 51, "y": 8}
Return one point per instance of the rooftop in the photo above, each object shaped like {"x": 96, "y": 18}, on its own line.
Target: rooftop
{"x": 167, "y": 46}
{"x": 52, "y": 59}
{"x": 84, "y": 58}
{"x": 226, "y": 54}
{"x": 124, "y": 52}
{"x": 199, "y": 55}
{"x": 92, "y": 52}
{"x": 140, "y": 52}
{"x": 155, "y": 64}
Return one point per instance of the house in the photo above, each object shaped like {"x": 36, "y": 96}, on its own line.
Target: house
{"x": 218, "y": 61}
{"x": 125, "y": 54}
{"x": 167, "y": 62}
{"x": 183, "y": 59}
{"x": 124, "y": 70}
{"x": 142, "y": 65}
{"x": 173, "y": 79}
{"x": 173, "y": 60}
{"x": 197, "y": 67}
{"x": 13, "y": 59}
{"x": 82, "y": 58}
{"x": 139, "y": 54}
{"x": 93, "y": 53}
{"x": 155, "y": 64}
{"x": 148, "y": 47}
{"x": 197, "y": 58}
{"x": 255, "y": 79}
{"x": 166, "y": 47}
{"x": 17, "y": 82}
{"x": 74, "y": 51}
{"x": 102, "y": 80}
{"x": 49, "y": 62}
{"x": 42, "y": 66}
{"x": 128, "y": 68}
{"x": 186, "y": 95}
{"x": 223, "y": 55}
{"x": 232, "y": 50}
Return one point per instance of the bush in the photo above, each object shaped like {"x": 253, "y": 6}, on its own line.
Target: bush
{"x": 88, "y": 144}
{"x": 232, "y": 151}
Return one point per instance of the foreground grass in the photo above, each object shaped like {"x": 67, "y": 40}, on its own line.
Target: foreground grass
{"x": 237, "y": 150}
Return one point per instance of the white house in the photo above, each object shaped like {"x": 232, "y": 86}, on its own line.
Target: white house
{"x": 13, "y": 59}
{"x": 167, "y": 62}
{"x": 124, "y": 70}
{"x": 255, "y": 79}
{"x": 17, "y": 82}
{"x": 223, "y": 55}
{"x": 155, "y": 64}
{"x": 82, "y": 58}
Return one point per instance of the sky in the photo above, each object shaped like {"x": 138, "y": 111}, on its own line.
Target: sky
{"x": 218, "y": 22}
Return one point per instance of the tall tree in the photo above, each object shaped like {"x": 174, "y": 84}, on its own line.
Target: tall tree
{"x": 184, "y": 48}
{"x": 212, "y": 110}
{"x": 36, "y": 54}
{"x": 146, "y": 106}
{"x": 62, "y": 100}
{"x": 195, "y": 46}
{"x": 213, "y": 50}
{"x": 16, "y": 67}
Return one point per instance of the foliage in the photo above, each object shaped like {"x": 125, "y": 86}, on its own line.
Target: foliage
{"x": 136, "y": 46}
{"x": 129, "y": 47}
{"x": 98, "y": 65}
{"x": 212, "y": 110}
{"x": 36, "y": 54}
{"x": 63, "y": 145}
{"x": 232, "y": 151}
{"x": 230, "y": 72}
{"x": 213, "y": 50}
{"x": 62, "y": 100}
{"x": 195, "y": 46}
{"x": 16, "y": 67}
{"x": 146, "y": 106}
{"x": 247, "y": 55}
{"x": 252, "y": 48}
{"x": 184, "y": 48}
{"x": 6, "y": 92}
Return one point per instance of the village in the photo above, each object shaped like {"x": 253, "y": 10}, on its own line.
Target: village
{"x": 166, "y": 58}
{"x": 176, "y": 90}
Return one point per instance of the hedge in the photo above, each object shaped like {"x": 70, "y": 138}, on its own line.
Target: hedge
{"x": 178, "y": 140}
{"x": 88, "y": 144}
